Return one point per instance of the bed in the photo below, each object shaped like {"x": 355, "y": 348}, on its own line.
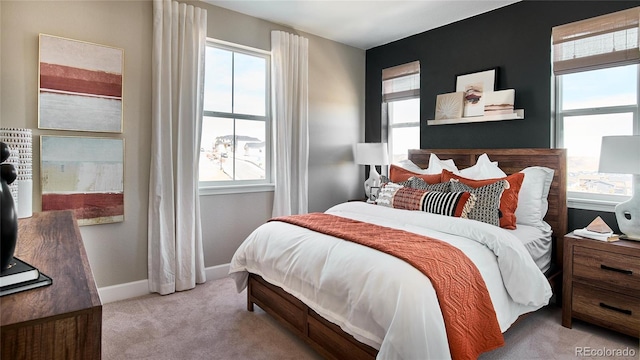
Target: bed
{"x": 339, "y": 321}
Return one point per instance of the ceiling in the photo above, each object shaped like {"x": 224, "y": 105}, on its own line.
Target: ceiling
{"x": 362, "y": 23}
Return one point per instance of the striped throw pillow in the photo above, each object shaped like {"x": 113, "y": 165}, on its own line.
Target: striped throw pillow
{"x": 457, "y": 204}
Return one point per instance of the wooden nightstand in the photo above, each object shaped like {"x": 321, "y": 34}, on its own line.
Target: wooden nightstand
{"x": 601, "y": 283}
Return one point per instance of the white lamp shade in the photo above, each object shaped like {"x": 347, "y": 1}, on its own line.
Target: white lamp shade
{"x": 620, "y": 154}
{"x": 372, "y": 154}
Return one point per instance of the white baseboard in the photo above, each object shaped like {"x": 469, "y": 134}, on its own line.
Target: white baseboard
{"x": 217, "y": 272}
{"x": 118, "y": 292}
{"x": 133, "y": 289}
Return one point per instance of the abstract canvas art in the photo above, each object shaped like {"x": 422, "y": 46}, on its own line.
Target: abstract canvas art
{"x": 449, "y": 106}
{"x": 499, "y": 102}
{"x": 80, "y": 86}
{"x": 83, "y": 174}
{"x": 474, "y": 86}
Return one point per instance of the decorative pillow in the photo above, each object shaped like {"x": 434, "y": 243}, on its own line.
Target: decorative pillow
{"x": 398, "y": 174}
{"x": 483, "y": 169}
{"x": 408, "y": 199}
{"x": 487, "y": 205}
{"x": 419, "y": 183}
{"x": 457, "y": 204}
{"x": 411, "y": 166}
{"x": 532, "y": 201}
{"x": 509, "y": 199}
{"x": 385, "y": 195}
{"x": 436, "y": 165}
{"x": 384, "y": 180}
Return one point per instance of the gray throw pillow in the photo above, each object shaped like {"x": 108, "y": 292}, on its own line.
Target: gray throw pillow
{"x": 487, "y": 207}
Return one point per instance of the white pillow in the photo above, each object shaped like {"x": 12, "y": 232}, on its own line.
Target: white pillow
{"x": 411, "y": 166}
{"x": 532, "y": 199}
{"x": 436, "y": 165}
{"x": 483, "y": 169}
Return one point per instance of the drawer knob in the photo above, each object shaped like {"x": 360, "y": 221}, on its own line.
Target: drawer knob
{"x": 626, "y": 272}
{"x": 628, "y": 312}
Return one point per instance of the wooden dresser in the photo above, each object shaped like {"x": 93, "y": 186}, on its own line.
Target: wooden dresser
{"x": 60, "y": 321}
{"x": 601, "y": 283}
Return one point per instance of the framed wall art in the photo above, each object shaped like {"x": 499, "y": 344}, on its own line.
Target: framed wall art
{"x": 83, "y": 174}
{"x": 79, "y": 85}
{"x": 499, "y": 102}
{"x": 449, "y": 106}
{"x": 474, "y": 85}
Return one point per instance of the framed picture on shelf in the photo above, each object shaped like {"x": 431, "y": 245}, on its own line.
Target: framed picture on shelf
{"x": 79, "y": 85}
{"x": 449, "y": 106}
{"x": 474, "y": 86}
{"x": 499, "y": 102}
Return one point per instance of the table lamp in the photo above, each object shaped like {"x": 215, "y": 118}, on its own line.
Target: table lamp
{"x": 20, "y": 142}
{"x": 372, "y": 154}
{"x": 621, "y": 155}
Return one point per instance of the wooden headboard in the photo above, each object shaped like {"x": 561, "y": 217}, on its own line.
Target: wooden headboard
{"x": 512, "y": 161}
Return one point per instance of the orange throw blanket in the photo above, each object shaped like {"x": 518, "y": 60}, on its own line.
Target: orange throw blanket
{"x": 470, "y": 321}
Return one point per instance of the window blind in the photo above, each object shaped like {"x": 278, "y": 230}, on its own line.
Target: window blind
{"x": 596, "y": 43}
{"x": 401, "y": 82}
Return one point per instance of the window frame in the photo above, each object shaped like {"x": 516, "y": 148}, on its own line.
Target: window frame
{"x": 388, "y": 133}
{"x": 592, "y": 201}
{"x": 245, "y": 186}
{"x": 392, "y": 77}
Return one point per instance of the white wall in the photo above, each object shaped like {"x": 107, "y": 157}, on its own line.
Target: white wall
{"x": 118, "y": 252}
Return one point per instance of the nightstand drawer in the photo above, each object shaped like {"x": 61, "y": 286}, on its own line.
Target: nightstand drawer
{"x": 611, "y": 270}
{"x": 606, "y": 308}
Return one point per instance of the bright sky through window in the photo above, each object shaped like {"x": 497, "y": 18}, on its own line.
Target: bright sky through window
{"x": 606, "y": 87}
{"x": 593, "y": 89}
{"x": 594, "y": 104}
{"x": 404, "y": 127}
{"x": 235, "y": 124}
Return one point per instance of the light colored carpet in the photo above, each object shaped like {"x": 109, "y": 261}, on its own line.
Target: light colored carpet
{"x": 212, "y": 322}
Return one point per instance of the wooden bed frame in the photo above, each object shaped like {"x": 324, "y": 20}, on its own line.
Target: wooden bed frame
{"x": 329, "y": 339}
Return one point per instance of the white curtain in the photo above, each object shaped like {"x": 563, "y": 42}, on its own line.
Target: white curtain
{"x": 290, "y": 64}
{"x": 175, "y": 252}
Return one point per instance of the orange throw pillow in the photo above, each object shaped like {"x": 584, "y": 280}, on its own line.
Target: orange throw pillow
{"x": 508, "y": 201}
{"x": 398, "y": 174}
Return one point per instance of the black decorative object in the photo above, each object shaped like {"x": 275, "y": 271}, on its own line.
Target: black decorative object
{"x": 8, "y": 214}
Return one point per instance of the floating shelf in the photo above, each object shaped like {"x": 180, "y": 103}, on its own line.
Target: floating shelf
{"x": 518, "y": 114}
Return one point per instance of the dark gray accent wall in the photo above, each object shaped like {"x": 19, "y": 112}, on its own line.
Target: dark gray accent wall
{"x": 516, "y": 40}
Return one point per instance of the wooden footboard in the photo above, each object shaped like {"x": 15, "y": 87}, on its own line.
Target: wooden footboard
{"x": 323, "y": 336}
{"x": 328, "y": 339}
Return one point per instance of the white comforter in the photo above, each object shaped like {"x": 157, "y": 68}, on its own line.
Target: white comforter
{"x": 381, "y": 300}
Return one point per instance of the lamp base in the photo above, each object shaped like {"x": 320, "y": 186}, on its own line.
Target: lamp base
{"x": 625, "y": 237}
{"x": 372, "y": 181}
{"x": 628, "y": 213}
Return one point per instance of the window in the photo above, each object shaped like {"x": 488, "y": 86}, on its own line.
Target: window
{"x": 401, "y": 109}
{"x": 597, "y": 95}
{"x": 404, "y": 128}
{"x": 594, "y": 104}
{"x": 236, "y": 127}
